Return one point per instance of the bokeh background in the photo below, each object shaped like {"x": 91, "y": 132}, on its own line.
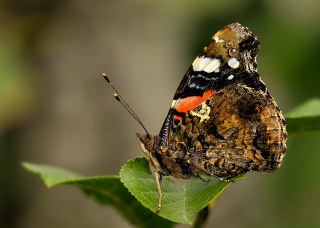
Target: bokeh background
{"x": 56, "y": 109}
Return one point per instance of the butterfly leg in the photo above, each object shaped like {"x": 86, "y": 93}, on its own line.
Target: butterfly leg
{"x": 160, "y": 194}
{"x": 201, "y": 178}
{"x": 225, "y": 179}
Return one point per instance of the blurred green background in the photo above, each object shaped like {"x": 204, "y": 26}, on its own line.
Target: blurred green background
{"x": 55, "y": 109}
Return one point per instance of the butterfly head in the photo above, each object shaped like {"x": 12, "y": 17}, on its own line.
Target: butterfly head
{"x": 146, "y": 143}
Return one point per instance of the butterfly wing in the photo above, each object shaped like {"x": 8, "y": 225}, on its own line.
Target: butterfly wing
{"x": 226, "y": 60}
{"x": 222, "y": 120}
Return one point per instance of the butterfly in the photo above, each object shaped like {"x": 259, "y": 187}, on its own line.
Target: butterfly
{"x": 222, "y": 121}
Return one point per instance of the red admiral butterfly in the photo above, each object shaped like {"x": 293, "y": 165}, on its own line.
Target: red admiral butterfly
{"x": 222, "y": 121}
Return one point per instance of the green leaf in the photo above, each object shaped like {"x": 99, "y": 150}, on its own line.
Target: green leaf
{"x": 50, "y": 175}
{"x": 305, "y": 117}
{"x": 107, "y": 190}
{"x": 182, "y": 199}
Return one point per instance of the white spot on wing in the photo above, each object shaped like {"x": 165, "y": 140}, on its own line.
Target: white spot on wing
{"x": 200, "y": 63}
{"x": 233, "y": 63}
{"x": 195, "y": 62}
{"x": 230, "y": 77}
{"x": 206, "y": 64}
{"x": 212, "y": 66}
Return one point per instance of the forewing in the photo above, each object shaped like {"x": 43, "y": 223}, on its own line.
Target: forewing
{"x": 229, "y": 58}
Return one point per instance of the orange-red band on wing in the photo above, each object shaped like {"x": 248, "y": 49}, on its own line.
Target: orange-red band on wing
{"x": 189, "y": 103}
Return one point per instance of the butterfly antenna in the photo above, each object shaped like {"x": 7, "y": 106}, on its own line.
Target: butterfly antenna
{"x": 122, "y": 101}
